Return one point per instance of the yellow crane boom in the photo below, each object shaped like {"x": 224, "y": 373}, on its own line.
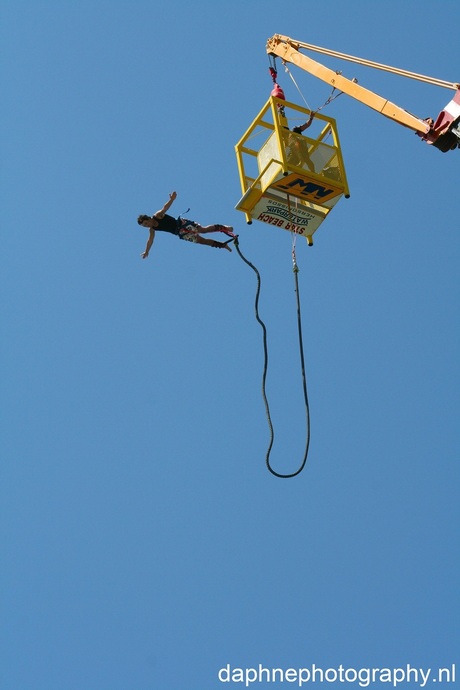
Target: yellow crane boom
{"x": 444, "y": 133}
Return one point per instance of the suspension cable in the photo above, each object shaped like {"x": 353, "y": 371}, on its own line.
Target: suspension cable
{"x": 328, "y": 100}
{"x": 264, "y": 375}
{"x": 296, "y": 85}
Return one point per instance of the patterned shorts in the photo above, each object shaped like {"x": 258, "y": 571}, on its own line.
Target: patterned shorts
{"x": 188, "y": 230}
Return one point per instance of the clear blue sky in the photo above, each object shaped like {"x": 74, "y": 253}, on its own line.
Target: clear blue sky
{"x": 144, "y": 544}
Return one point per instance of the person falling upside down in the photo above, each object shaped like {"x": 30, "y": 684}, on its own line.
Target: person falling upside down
{"x": 182, "y": 227}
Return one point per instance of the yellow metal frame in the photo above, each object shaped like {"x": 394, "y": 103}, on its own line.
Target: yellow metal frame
{"x": 282, "y": 191}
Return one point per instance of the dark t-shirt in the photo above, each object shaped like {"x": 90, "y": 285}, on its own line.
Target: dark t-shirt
{"x": 168, "y": 224}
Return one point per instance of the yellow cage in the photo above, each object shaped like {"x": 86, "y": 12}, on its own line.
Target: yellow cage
{"x": 290, "y": 180}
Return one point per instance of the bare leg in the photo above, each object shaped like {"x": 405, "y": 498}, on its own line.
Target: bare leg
{"x": 227, "y": 229}
{"x": 213, "y": 243}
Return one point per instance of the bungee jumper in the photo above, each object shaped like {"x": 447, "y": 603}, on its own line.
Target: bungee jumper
{"x": 183, "y": 228}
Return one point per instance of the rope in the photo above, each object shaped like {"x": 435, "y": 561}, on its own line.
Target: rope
{"x": 296, "y": 85}
{"x": 264, "y": 375}
{"x": 326, "y": 102}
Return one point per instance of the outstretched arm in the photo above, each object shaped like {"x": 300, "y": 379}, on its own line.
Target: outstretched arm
{"x": 302, "y": 128}
{"x": 167, "y": 206}
{"x": 148, "y": 246}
